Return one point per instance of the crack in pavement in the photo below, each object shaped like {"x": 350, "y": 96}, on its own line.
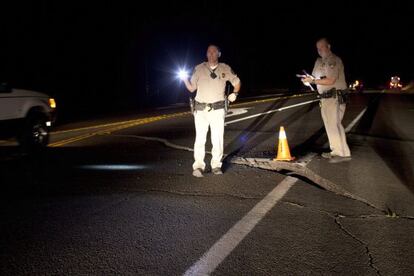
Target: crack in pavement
{"x": 156, "y": 139}
{"x": 342, "y": 215}
{"x": 271, "y": 165}
{"x": 336, "y": 217}
{"x": 302, "y": 170}
{"x": 119, "y": 202}
{"x": 368, "y": 252}
{"x": 196, "y": 194}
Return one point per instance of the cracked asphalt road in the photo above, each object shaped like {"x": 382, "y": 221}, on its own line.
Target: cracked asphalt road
{"x": 114, "y": 204}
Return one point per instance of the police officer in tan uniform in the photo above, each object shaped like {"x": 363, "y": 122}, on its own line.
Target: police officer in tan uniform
{"x": 209, "y": 80}
{"x": 329, "y": 78}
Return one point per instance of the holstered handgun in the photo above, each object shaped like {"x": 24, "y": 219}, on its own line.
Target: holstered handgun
{"x": 343, "y": 96}
{"x": 192, "y": 104}
{"x": 226, "y": 99}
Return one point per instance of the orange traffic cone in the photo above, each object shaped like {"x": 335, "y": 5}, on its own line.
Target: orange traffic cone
{"x": 283, "y": 152}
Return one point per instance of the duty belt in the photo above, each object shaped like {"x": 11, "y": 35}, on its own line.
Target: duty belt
{"x": 209, "y": 106}
{"x": 328, "y": 94}
{"x": 342, "y": 95}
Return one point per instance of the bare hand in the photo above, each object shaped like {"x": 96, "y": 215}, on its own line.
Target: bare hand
{"x": 232, "y": 97}
{"x": 307, "y": 80}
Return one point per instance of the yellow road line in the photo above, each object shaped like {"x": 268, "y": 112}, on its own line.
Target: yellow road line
{"x": 272, "y": 99}
{"x": 131, "y": 123}
{"x": 116, "y": 128}
{"x": 89, "y": 127}
{"x": 98, "y": 126}
{"x": 135, "y": 120}
{"x": 71, "y": 140}
{"x": 106, "y": 125}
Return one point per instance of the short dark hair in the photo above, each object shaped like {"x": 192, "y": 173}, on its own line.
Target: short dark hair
{"x": 214, "y": 45}
{"x": 324, "y": 39}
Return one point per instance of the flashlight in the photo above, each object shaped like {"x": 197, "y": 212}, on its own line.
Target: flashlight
{"x": 182, "y": 74}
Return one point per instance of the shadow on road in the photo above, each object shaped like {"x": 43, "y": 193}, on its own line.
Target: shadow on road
{"x": 389, "y": 145}
{"x": 254, "y": 135}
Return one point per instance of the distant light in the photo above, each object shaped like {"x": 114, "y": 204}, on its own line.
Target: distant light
{"x": 52, "y": 103}
{"x": 395, "y": 82}
{"x": 48, "y": 123}
{"x": 182, "y": 74}
{"x": 113, "y": 167}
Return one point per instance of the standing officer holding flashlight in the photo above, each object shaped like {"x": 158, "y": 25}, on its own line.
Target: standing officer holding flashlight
{"x": 209, "y": 80}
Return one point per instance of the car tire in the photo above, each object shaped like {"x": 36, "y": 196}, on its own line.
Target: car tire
{"x": 35, "y": 133}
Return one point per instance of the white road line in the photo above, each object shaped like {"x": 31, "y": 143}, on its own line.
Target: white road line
{"x": 355, "y": 121}
{"x": 229, "y": 241}
{"x": 269, "y": 112}
{"x": 223, "y": 247}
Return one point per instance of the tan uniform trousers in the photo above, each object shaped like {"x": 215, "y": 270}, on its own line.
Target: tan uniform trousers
{"x": 332, "y": 114}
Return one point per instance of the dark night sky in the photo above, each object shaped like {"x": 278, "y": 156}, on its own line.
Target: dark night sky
{"x": 124, "y": 54}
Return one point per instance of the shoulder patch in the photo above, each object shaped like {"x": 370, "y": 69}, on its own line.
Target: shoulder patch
{"x": 332, "y": 63}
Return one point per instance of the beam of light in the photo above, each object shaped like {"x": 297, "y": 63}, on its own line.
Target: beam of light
{"x": 113, "y": 167}
{"x": 182, "y": 74}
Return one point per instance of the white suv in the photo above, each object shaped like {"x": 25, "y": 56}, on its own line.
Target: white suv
{"x": 26, "y": 115}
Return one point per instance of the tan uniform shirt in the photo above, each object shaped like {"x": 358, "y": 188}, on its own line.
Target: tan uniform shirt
{"x": 330, "y": 67}
{"x": 211, "y": 90}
